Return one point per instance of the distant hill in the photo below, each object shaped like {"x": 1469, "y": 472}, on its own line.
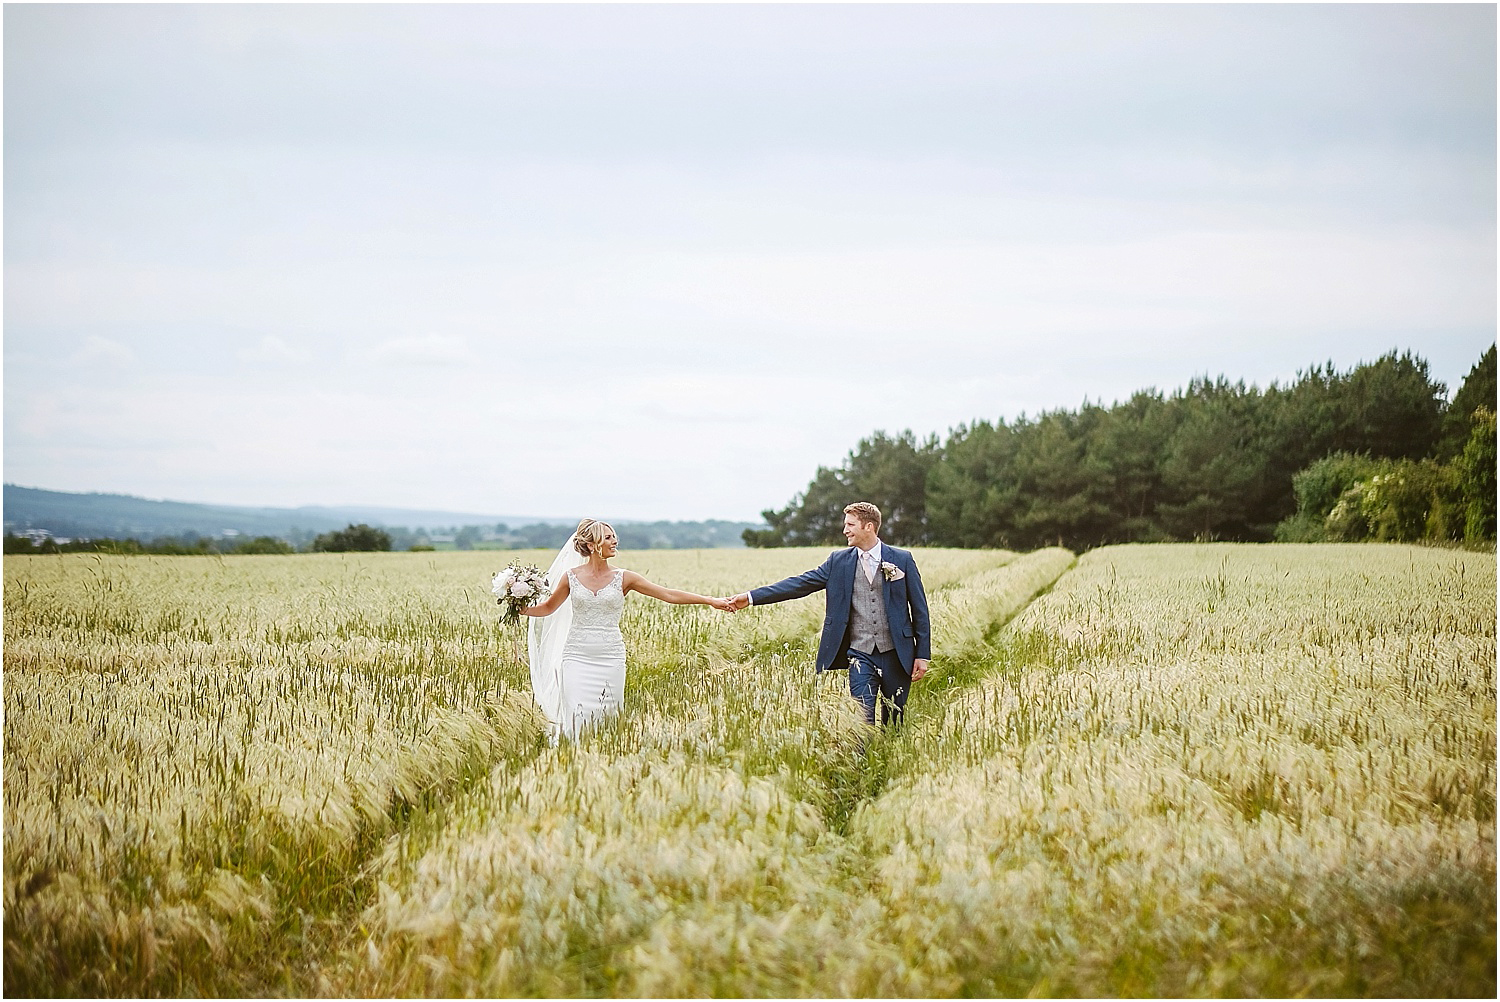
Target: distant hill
{"x": 65, "y": 515}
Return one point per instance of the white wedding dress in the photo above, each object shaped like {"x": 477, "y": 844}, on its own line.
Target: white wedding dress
{"x": 577, "y": 653}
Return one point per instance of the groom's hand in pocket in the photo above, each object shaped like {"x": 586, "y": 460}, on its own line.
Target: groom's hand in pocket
{"x": 919, "y": 668}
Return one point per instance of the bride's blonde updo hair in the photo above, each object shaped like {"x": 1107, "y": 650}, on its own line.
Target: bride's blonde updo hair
{"x": 589, "y": 534}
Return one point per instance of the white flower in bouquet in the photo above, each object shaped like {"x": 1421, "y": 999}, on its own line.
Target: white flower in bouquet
{"x": 516, "y": 588}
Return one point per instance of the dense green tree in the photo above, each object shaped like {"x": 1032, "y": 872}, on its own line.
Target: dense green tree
{"x": 809, "y": 519}
{"x": 353, "y": 538}
{"x": 1478, "y": 390}
{"x": 1299, "y": 424}
{"x": 19, "y": 544}
{"x": 890, "y": 472}
{"x": 1124, "y": 456}
{"x": 1476, "y": 473}
{"x": 1390, "y": 408}
{"x": 1211, "y": 465}
{"x": 972, "y": 493}
{"x": 1054, "y": 500}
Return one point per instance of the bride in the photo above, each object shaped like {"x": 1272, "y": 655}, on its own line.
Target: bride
{"x": 577, "y": 653}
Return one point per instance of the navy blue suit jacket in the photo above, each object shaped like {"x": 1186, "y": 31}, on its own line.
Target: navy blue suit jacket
{"x": 905, "y": 604}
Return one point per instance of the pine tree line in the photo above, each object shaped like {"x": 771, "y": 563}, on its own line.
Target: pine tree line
{"x": 1215, "y": 460}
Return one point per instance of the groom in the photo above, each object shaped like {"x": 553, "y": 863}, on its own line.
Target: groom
{"x": 876, "y": 624}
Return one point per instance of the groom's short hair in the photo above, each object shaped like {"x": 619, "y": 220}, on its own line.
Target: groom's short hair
{"x": 865, "y": 512}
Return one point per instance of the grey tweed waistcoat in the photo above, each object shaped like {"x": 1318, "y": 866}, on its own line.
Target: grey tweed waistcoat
{"x": 869, "y": 630}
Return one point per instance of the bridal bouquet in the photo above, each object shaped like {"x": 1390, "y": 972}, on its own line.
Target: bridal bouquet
{"x": 516, "y": 588}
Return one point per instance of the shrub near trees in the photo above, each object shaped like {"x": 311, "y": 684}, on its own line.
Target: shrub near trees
{"x": 1349, "y": 498}
{"x": 1476, "y": 476}
{"x": 1447, "y": 496}
{"x": 1216, "y": 460}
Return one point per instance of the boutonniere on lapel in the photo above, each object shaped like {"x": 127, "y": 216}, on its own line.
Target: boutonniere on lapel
{"x": 891, "y": 571}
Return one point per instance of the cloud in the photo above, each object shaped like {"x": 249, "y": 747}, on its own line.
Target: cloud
{"x": 767, "y": 231}
{"x": 274, "y": 351}
{"x": 428, "y": 349}
{"x": 702, "y": 398}
{"x": 101, "y": 352}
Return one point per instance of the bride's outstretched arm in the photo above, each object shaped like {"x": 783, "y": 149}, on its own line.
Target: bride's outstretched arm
{"x": 635, "y": 582}
{"x": 547, "y": 608}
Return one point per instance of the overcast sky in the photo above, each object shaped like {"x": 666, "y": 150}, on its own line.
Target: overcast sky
{"x": 662, "y": 262}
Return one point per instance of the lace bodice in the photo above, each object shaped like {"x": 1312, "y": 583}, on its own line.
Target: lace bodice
{"x": 593, "y": 611}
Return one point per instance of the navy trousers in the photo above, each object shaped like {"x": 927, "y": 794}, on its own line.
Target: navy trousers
{"x": 879, "y": 678}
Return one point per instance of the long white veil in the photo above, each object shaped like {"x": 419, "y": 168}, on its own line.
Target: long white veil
{"x": 545, "y": 638}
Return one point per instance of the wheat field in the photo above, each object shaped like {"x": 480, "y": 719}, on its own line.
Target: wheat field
{"x": 1181, "y": 770}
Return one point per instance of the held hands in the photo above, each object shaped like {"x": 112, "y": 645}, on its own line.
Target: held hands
{"x": 734, "y": 604}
